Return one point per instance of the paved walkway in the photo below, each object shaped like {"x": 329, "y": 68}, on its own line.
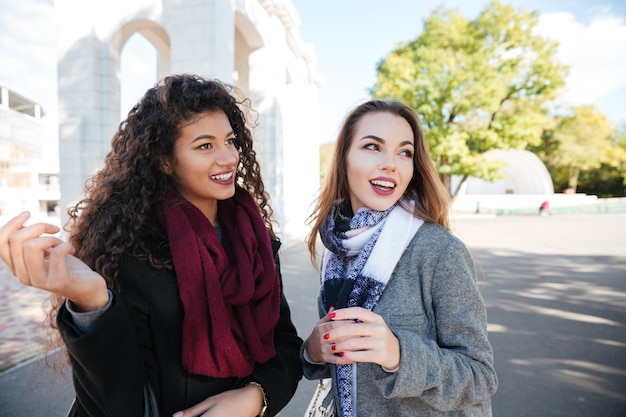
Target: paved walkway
{"x": 21, "y": 320}
{"x": 555, "y": 289}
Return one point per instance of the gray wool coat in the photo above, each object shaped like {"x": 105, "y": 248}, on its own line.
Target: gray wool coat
{"x": 433, "y": 306}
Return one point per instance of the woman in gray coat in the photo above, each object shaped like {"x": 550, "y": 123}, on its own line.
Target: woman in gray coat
{"x": 403, "y": 328}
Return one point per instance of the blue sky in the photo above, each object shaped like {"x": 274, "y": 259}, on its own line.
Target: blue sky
{"x": 349, "y": 38}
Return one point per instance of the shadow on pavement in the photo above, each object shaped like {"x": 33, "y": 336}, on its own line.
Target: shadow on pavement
{"x": 558, "y": 328}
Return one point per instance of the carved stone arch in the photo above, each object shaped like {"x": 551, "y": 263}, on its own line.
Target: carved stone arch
{"x": 155, "y": 34}
{"x": 254, "y": 44}
{"x": 247, "y": 40}
{"x": 248, "y": 31}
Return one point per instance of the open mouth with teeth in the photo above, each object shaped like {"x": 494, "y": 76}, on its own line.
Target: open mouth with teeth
{"x": 385, "y": 185}
{"x": 225, "y": 178}
{"x": 222, "y": 177}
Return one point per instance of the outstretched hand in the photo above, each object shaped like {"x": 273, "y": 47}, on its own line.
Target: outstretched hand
{"x": 241, "y": 402}
{"x": 354, "y": 334}
{"x": 43, "y": 261}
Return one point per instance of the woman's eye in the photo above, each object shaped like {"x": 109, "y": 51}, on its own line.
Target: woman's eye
{"x": 205, "y": 146}
{"x": 407, "y": 153}
{"x": 371, "y": 146}
{"x": 230, "y": 141}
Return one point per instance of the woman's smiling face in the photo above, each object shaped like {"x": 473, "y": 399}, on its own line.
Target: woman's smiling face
{"x": 379, "y": 161}
{"x": 205, "y": 162}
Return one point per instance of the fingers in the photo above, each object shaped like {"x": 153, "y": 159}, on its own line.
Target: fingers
{"x": 31, "y": 262}
{"x": 351, "y": 335}
{"x": 355, "y": 313}
{"x": 58, "y": 265}
{"x": 359, "y": 335}
{"x": 327, "y": 317}
{"x": 26, "y": 245}
{"x": 234, "y": 402}
{"x": 375, "y": 349}
{"x": 45, "y": 262}
{"x": 15, "y": 238}
{"x": 16, "y": 223}
{"x": 315, "y": 342}
{"x": 322, "y": 344}
{"x": 354, "y": 322}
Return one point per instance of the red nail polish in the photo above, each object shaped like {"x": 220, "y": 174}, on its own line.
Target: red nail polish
{"x": 327, "y": 336}
{"x": 341, "y": 354}
{"x": 333, "y": 347}
{"x": 332, "y": 315}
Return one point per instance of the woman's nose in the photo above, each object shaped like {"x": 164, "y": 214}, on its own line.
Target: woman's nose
{"x": 227, "y": 156}
{"x": 388, "y": 162}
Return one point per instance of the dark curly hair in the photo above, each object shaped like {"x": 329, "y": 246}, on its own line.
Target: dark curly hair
{"x": 118, "y": 216}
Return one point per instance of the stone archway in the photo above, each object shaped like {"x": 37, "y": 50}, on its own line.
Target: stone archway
{"x": 249, "y": 43}
{"x": 155, "y": 34}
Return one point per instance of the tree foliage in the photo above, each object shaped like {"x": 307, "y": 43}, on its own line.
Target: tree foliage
{"x": 584, "y": 142}
{"x": 477, "y": 85}
{"x": 584, "y": 153}
{"x": 617, "y": 155}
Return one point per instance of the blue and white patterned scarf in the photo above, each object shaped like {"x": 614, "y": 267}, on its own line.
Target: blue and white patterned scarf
{"x": 361, "y": 253}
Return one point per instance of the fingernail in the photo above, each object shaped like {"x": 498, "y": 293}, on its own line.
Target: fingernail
{"x": 332, "y": 315}
{"x": 327, "y": 336}
{"x": 341, "y": 354}
{"x": 333, "y": 347}
{"x": 179, "y": 414}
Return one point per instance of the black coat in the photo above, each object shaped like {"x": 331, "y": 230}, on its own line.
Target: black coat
{"x": 139, "y": 338}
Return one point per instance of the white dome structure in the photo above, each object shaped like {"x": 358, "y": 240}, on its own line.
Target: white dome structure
{"x": 524, "y": 174}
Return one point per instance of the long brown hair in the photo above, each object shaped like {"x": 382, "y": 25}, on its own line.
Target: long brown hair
{"x": 431, "y": 199}
{"x": 118, "y": 216}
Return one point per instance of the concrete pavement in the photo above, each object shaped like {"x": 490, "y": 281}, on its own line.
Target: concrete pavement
{"x": 555, "y": 289}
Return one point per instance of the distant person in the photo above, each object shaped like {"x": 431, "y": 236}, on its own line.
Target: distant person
{"x": 544, "y": 208}
{"x": 403, "y": 328}
{"x": 180, "y": 293}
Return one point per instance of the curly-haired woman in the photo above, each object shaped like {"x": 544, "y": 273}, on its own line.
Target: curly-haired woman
{"x": 170, "y": 279}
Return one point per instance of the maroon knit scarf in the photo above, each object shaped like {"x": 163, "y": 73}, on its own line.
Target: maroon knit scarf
{"x": 229, "y": 289}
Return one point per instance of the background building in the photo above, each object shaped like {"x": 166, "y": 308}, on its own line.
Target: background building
{"x": 253, "y": 44}
{"x": 27, "y": 181}
{"x": 523, "y": 173}
{"x": 524, "y": 186}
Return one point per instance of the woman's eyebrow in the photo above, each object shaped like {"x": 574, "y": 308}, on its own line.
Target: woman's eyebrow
{"x": 201, "y": 137}
{"x": 374, "y": 137}
{"x": 381, "y": 140}
{"x": 211, "y": 137}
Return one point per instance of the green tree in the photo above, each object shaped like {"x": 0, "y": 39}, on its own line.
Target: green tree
{"x": 609, "y": 180}
{"x": 585, "y": 141}
{"x": 606, "y": 180}
{"x": 617, "y": 156}
{"x": 477, "y": 85}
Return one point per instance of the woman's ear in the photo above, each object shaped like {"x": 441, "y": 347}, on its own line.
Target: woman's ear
{"x": 167, "y": 167}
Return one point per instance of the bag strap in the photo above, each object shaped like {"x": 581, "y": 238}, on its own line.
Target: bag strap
{"x": 150, "y": 403}
{"x": 323, "y": 401}
{"x": 73, "y": 411}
